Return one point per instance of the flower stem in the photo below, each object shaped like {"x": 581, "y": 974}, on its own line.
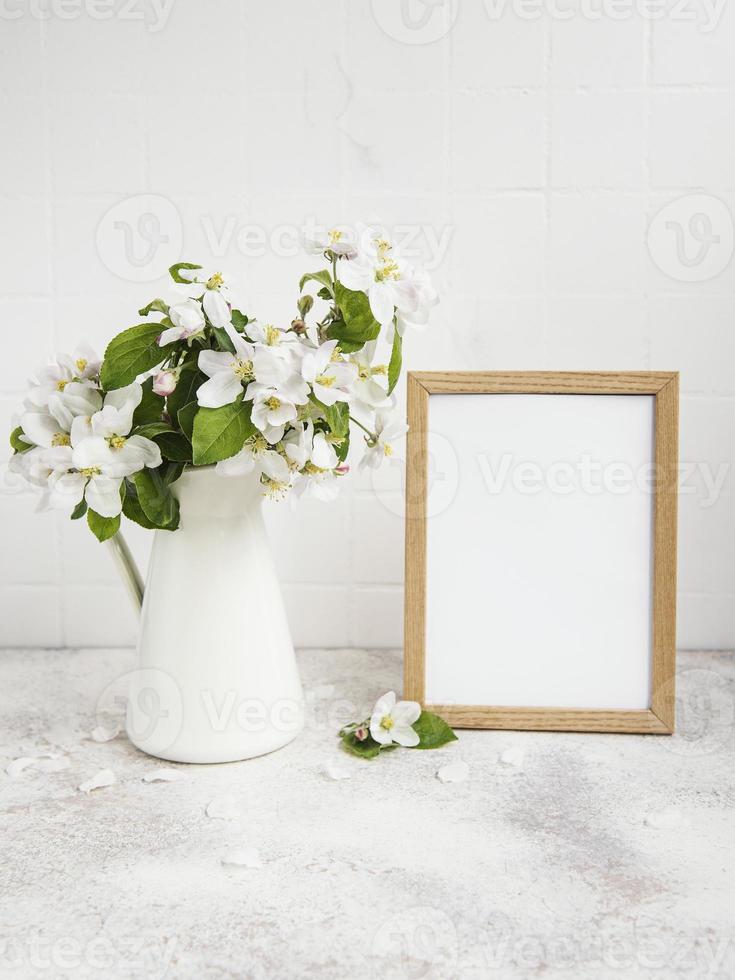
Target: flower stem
{"x": 371, "y": 434}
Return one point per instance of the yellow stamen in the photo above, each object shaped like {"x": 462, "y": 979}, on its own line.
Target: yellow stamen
{"x": 215, "y": 281}
{"x": 116, "y": 442}
{"x": 386, "y": 723}
{"x": 60, "y": 385}
{"x": 380, "y": 369}
{"x": 312, "y": 470}
{"x": 272, "y": 335}
{"x": 389, "y": 270}
{"x": 335, "y": 235}
{"x": 336, "y": 355}
{"x": 274, "y": 488}
{"x": 325, "y": 380}
{"x": 387, "y": 449}
{"x": 243, "y": 369}
{"x": 273, "y": 403}
{"x": 90, "y": 471}
{"x": 383, "y": 246}
{"x": 81, "y": 364}
{"x": 61, "y": 439}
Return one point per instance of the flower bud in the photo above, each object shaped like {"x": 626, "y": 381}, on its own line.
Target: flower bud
{"x": 164, "y": 383}
{"x": 342, "y": 470}
{"x": 361, "y": 733}
{"x": 298, "y": 326}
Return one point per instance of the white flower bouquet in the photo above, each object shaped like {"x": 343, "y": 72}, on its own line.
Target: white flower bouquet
{"x": 206, "y": 384}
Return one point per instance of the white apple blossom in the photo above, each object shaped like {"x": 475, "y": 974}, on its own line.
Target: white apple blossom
{"x": 228, "y": 372}
{"x": 211, "y": 289}
{"x": 366, "y": 391}
{"x": 427, "y": 297}
{"x": 387, "y": 431}
{"x": 188, "y": 322}
{"x": 257, "y": 455}
{"x": 378, "y": 271}
{"x": 328, "y": 374}
{"x": 81, "y": 367}
{"x": 392, "y": 721}
{"x": 338, "y": 240}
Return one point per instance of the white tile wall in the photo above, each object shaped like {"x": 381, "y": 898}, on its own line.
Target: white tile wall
{"x": 527, "y": 151}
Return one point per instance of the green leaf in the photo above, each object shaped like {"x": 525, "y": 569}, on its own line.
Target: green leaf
{"x": 221, "y": 432}
{"x": 396, "y": 359}
{"x": 152, "y": 429}
{"x": 17, "y": 443}
{"x": 103, "y": 528}
{"x": 433, "y": 731}
{"x": 367, "y": 749}
{"x": 323, "y": 276}
{"x": 156, "y": 500}
{"x": 133, "y": 511}
{"x": 239, "y": 321}
{"x": 338, "y": 418}
{"x": 358, "y": 326}
{"x": 131, "y": 353}
{"x": 174, "y": 446}
{"x": 175, "y": 270}
{"x": 343, "y": 448}
{"x": 151, "y": 405}
{"x": 159, "y": 305}
{"x": 189, "y": 380}
{"x": 185, "y": 418}
{"x": 223, "y": 339}
{"x": 80, "y": 510}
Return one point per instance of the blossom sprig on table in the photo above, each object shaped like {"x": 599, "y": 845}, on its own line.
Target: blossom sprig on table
{"x": 395, "y": 723}
{"x": 203, "y": 383}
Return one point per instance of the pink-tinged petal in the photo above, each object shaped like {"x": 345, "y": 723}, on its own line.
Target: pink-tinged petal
{"x": 405, "y": 296}
{"x": 222, "y": 389}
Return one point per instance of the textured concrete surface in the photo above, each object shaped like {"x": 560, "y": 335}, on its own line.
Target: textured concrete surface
{"x": 596, "y": 856}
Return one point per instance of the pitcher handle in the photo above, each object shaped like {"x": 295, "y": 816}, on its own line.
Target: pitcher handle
{"x": 128, "y": 569}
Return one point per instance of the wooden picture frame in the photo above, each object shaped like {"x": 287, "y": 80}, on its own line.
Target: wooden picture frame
{"x": 658, "y": 717}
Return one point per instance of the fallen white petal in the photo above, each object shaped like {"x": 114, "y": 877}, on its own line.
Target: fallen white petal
{"x": 455, "y": 772}
{"x": 336, "y": 770}
{"x": 17, "y": 766}
{"x": 512, "y": 757}
{"x": 224, "y": 808}
{"x": 243, "y": 857}
{"x": 52, "y": 765}
{"x": 102, "y": 734}
{"x": 667, "y": 819}
{"x": 163, "y": 776}
{"x": 105, "y": 777}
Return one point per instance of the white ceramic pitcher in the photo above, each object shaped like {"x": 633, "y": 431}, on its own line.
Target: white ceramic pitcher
{"x": 216, "y": 678}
